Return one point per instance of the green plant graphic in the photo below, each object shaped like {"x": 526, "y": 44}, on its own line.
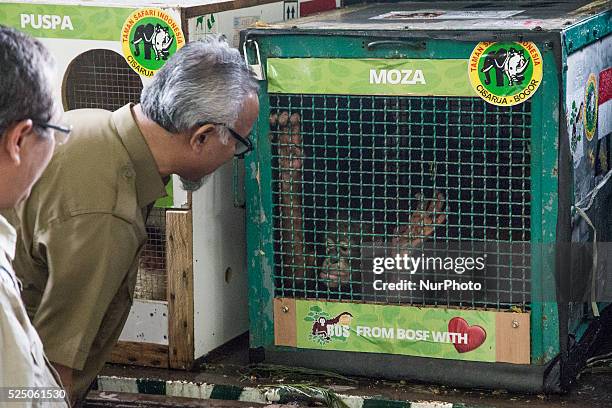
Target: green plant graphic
{"x": 575, "y": 134}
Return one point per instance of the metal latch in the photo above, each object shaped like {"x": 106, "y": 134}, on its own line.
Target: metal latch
{"x": 257, "y": 68}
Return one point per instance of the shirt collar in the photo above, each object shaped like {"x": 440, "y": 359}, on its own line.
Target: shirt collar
{"x": 149, "y": 184}
{"x": 8, "y": 239}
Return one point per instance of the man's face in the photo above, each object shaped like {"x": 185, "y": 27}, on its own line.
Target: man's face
{"x": 213, "y": 152}
{"x": 33, "y": 148}
{"x": 39, "y": 156}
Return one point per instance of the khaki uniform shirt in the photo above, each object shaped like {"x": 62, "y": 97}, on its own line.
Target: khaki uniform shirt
{"x": 22, "y": 360}
{"x": 82, "y": 230}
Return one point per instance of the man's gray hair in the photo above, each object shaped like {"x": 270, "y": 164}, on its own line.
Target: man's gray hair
{"x": 26, "y": 79}
{"x": 205, "y": 81}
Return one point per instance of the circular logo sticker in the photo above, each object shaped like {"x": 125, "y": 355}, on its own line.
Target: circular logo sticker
{"x": 505, "y": 73}
{"x": 590, "y": 107}
{"x": 149, "y": 37}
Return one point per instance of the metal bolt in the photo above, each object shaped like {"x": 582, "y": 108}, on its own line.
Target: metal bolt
{"x": 515, "y": 324}
{"x": 285, "y": 309}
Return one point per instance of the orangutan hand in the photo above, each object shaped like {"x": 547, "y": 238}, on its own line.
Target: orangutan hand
{"x": 423, "y": 221}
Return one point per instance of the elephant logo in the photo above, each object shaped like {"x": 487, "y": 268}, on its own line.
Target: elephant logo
{"x": 505, "y": 74}
{"x": 508, "y": 65}
{"x": 495, "y": 61}
{"x": 149, "y": 37}
{"x": 156, "y": 38}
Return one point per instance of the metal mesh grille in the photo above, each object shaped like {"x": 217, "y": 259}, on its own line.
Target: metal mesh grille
{"x": 100, "y": 79}
{"x": 151, "y": 282}
{"x": 348, "y": 170}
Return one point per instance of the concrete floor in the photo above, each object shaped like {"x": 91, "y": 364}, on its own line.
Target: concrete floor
{"x": 230, "y": 366}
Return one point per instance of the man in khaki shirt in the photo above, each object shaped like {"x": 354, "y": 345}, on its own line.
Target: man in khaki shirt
{"x": 84, "y": 225}
{"x": 27, "y": 109}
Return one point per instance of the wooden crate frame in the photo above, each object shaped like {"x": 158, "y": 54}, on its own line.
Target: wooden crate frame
{"x": 179, "y": 353}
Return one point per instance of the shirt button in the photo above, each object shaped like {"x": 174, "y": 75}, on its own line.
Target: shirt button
{"x": 128, "y": 173}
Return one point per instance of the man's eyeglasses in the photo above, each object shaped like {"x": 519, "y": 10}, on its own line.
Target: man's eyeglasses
{"x": 243, "y": 147}
{"x": 61, "y": 133}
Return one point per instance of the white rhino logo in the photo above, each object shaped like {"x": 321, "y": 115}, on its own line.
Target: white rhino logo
{"x": 162, "y": 40}
{"x": 515, "y": 66}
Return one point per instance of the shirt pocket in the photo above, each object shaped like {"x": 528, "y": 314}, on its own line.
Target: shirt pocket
{"x": 126, "y": 205}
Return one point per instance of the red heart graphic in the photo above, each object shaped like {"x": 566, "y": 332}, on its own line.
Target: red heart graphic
{"x": 476, "y": 335}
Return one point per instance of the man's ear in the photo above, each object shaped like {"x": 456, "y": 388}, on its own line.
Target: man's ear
{"x": 199, "y": 136}
{"x": 12, "y": 140}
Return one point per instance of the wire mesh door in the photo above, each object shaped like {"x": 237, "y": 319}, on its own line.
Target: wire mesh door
{"x": 152, "y": 279}
{"x": 350, "y": 172}
{"x": 100, "y": 79}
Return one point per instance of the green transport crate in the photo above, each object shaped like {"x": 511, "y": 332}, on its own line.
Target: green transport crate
{"x": 428, "y": 196}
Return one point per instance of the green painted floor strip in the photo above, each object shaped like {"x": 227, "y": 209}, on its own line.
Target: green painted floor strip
{"x": 153, "y": 387}
{"x": 247, "y": 394}
{"x": 385, "y": 403}
{"x": 226, "y": 392}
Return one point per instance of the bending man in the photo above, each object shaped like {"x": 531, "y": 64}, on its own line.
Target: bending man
{"x": 84, "y": 226}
